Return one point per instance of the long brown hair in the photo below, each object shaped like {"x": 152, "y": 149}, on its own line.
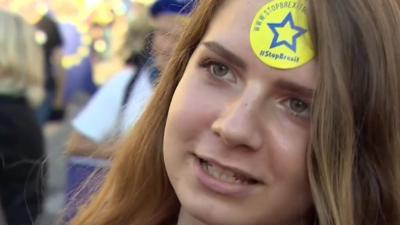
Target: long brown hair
{"x": 353, "y": 153}
{"x": 353, "y": 165}
{"x": 137, "y": 190}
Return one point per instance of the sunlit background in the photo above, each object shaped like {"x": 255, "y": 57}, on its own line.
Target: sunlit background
{"x": 92, "y": 32}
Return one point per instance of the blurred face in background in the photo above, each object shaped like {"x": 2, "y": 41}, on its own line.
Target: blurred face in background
{"x": 168, "y": 28}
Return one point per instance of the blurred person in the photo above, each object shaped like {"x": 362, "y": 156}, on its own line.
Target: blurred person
{"x": 269, "y": 112}
{"x": 82, "y": 148}
{"x": 22, "y": 166}
{"x": 119, "y": 103}
{"x": 92, "y": 128}
{"x": 52, "y": 107}
{"x": 124, "y": 97}
{"x": 168, "y": 20}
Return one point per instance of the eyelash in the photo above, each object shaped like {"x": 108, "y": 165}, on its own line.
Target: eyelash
{"x": 302, "y": 115}
{"x": 208, "y": 65}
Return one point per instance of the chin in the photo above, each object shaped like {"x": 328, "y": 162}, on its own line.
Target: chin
{"x": 208, "y": 212}
{"x": 224, "y": 219}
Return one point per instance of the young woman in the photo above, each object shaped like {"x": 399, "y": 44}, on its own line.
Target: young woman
{"x": 235, "y": 136}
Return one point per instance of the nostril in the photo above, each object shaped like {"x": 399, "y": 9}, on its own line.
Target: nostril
{"x": 238, "y": 126}
{"x": 231, "y": 136}
{"x": 216, "y": 133}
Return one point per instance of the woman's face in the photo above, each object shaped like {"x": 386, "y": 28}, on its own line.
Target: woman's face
{"x": 237, "y": 130}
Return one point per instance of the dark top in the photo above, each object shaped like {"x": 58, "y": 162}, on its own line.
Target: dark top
{"x": 22, "y": 167}
{"x": 54, "y": 40}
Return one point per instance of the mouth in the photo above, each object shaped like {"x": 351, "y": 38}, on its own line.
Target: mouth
{"x": 227, "y": 174}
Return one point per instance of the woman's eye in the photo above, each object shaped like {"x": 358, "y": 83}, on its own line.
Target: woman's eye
{"x": 298, "y": 108}
{"x": 219, "y": 71}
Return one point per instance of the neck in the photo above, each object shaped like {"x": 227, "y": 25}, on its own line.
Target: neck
{"x": 186, "y": 219}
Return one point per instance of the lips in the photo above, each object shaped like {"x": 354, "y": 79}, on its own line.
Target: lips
{"x": 227, "y": 174}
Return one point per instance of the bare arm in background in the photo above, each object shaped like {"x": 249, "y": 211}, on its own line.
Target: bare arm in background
{"x": 79, "y": 145}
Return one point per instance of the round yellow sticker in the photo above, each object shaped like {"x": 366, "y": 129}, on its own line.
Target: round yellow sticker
{"x": 279, "y": 34}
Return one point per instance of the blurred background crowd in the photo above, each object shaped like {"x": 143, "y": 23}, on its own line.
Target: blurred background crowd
{"x": 74, "y": 77}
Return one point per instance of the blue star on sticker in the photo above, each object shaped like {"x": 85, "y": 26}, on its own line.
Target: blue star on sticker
{"x": 296, "y": 30}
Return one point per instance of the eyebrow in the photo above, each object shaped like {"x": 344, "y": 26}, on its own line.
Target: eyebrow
{"x": 295, "y": 88}
{"x": 225, "y": 53}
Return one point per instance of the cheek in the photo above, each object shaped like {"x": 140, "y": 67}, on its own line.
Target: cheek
{"x": 189, "y": 112}
{"x": 285, "y": 143}
{"x": 187, "y": 120}
{"x": 290, "y": 156}
{"x": 286, "y": 158}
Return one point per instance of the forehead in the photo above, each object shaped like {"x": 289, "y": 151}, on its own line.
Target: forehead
{"x": 231, "y": 25}
{"x": 235, "y": 17}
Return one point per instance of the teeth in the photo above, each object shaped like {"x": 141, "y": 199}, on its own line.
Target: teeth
{"x": 221, "y": 174}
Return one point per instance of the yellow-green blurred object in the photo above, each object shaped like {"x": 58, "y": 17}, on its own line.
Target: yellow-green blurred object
{"x": 144, "y": 2}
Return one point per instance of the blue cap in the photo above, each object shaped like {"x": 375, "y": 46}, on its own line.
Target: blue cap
{"x": 181, "y": 7}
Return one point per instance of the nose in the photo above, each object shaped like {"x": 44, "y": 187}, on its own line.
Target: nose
{"x": 238, "y": 125}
